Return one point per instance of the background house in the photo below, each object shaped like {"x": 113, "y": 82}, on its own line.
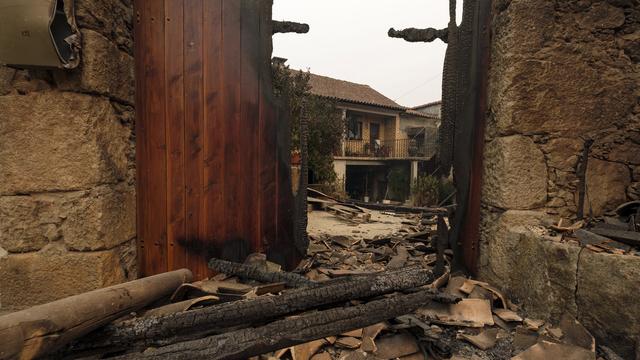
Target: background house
{"x": 385, "y": 145}
{"x": 433, "y": 108}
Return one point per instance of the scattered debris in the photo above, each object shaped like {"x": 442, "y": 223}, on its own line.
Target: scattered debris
{"x": 485, "y": 340}
{"x": 507, "y": 315}
{"x": 353, "y": 297}
{"x": 546, "y": 350}
{"x": 608, "y": 234}
{"x": 468, "y": 312}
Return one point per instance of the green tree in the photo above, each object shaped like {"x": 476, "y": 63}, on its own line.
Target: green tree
{"x": 425, "y": 191}
{"x": 325, "y": 121}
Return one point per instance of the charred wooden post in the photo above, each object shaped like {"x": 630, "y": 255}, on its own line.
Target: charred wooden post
{"x": 420, "y": 35}
{"x": 244, "y": 343}
{"x": 442, "y": 240}
{"x": 256, "y": 273}
{"x": 463, "y": 109}
{"x": 280, "y": 27}
{"x": 581, "y": 173}
{"x": 168, "y": 329}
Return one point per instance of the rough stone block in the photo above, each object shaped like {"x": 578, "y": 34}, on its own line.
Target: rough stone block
{"x": 515, "y": 174}
{"x": 563, "y": 153}
{"x": 6, "y": 75}
{"x": 530, "y": 267}
{"x": 626, "y": 152}
{"x": 539, "y": 87}
{"x": 500, "y": 237}
{"x": 33, "y": 80}
{"x": 100, "y": 219}
{"x": 29, "y": 222}
{"x": 28, "y": 279}
{"x": 104, "y": 69}
{"x": 546, "y": 98}
{"x": 56, "y": 141}
{"x": 607, "y": 184}
{"x": 607, "y": 298}
{"x": 521, "y": 27}
{"x": 602, "y": 15}
{"x": 111, "y": 18}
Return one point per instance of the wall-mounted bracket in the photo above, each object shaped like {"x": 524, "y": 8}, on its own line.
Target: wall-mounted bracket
{"x": 39, "y": 33}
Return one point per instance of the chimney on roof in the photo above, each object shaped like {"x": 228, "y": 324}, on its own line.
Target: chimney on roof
{"x": 278, "y": 61}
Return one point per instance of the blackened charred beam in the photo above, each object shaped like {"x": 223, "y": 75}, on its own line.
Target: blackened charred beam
{"x": 138, "y": 334}
{"x": 420, "y": 35}
{"x": 626, "y": 237}
{"x": 245, "y": 343}
{"x": 281, "y": 27}
{"x": 255, "y": 273}
{"x": 581, "y": 173}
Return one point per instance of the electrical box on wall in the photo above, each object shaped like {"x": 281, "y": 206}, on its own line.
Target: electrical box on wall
{"x": 39, "y": 33}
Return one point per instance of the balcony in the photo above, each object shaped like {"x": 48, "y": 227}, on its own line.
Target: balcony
{"x": 390, "y": 149}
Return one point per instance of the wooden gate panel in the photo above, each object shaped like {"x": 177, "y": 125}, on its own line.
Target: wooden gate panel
{"x": 152, "y": 173}
{"x": 175, "y": 123}
{"x": 250, "y": 116}
{"x": 214, "y": 159}
{"x": 213, "y": 153}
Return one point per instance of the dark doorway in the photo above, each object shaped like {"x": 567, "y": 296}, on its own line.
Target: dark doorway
{"x": 366, "y": 182}
{"x": 374, "y": 133}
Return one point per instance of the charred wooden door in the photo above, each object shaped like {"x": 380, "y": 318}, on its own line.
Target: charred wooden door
{"x": 212, "y": 146}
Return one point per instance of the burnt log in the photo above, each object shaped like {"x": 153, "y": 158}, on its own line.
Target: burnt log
{"x": 280, "y": 27}
{"x": 420, "y": 35}
{"x": 42, "y": 329}
{"x": 158, "y": 331}
{"x": 253, "y": 272}
{"x": 245, "y": 343}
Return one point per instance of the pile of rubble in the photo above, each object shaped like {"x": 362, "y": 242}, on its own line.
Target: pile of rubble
{"x": 386, "y": 297}
{"x": 618, "y": 233}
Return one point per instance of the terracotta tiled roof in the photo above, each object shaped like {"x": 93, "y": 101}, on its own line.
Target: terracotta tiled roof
{"x": 350, "y": 92}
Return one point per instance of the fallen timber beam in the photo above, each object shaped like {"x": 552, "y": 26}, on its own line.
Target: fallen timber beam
{"x": 138, "y": 334}
{"x": 42, "y": 329}
{"x": 245, "y": 343}
{"x": 255, "y": 273}
{"x": 627, "y": 237}
{"x": 399, "y": 208}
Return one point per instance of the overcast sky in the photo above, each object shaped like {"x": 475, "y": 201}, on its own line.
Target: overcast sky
{"x": 348, "y": 40}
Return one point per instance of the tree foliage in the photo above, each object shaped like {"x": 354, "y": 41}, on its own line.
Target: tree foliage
{"x": 425, "y": 191}
{"x": 326, "y": 125}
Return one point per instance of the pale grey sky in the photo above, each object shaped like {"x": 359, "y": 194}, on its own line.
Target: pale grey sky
{"x": 348, "y": 40}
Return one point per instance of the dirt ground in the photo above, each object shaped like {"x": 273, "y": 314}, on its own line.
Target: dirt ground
{"x": 382, "y": 224}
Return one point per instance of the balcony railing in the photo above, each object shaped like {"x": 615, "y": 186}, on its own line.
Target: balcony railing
{"x": 390, "y": 149}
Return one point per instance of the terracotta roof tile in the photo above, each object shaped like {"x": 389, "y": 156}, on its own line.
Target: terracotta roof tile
{"x": 356, "y": 93}
{"x": 350, "y": 92}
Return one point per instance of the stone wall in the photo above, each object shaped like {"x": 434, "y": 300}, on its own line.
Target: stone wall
{"x": 562, "y": 72}
{"x": 67, "y": 167}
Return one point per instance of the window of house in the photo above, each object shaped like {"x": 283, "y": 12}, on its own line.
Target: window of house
{"x": 354, "y": 128}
